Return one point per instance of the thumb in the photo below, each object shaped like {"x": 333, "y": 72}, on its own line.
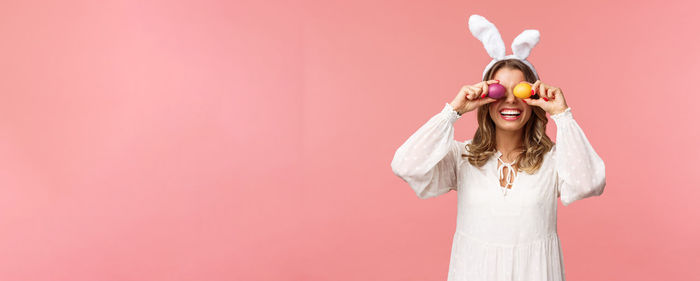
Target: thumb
{"x": 486, "y": 100}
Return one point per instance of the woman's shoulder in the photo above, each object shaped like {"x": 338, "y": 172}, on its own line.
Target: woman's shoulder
{"x": 552, "y": 150}
{"x": 548, "y": 156}
{"x": 463, "y": 145}
{"x": 462, "y": 152}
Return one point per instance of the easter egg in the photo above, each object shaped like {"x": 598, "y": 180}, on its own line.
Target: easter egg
{"x": 497, "y": 91}
{"x": 523, "y": 90}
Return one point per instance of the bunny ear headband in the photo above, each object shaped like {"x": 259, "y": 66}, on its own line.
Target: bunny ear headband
{"x": 487, "y": 33}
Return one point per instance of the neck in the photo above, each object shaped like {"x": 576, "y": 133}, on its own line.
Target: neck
{"x": 508, "y": 142}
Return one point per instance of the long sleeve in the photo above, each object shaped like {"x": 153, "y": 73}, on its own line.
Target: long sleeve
{"x": 428, "y": 160}
{"x": 580, "y": 171}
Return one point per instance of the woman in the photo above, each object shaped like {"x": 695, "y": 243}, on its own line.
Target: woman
{"x": 507, "y": 177}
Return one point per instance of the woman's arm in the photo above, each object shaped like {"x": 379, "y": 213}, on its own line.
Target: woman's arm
{"x": 428, "y": 160}
{"x": 580, "y": 171}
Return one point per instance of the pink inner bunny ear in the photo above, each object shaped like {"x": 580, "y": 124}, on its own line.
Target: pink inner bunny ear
{"x": 524, "y": 42}
{"x": 488, "y": 34}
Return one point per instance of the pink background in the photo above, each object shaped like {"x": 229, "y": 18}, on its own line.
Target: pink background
{"x": 252, "y": 140}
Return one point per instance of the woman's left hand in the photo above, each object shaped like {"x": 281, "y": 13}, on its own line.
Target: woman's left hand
{"x": 551, "y": 98}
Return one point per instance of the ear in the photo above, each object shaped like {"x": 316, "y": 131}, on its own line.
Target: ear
{"x": 523, "y": 43}
{"x": 488, "y": 34}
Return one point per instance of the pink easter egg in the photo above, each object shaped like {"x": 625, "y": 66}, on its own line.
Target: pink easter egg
{"x": 497, "y": 91}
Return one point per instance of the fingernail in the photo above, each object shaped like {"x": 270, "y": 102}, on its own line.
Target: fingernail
{"x": 483, "y": 95}
{"x": 498, "y": 81}
{"x": 545, "y": 99}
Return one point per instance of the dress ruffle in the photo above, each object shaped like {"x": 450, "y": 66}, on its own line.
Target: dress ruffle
{"x": 476, "y": 260}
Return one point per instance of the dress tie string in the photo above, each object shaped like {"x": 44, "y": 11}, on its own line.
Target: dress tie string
{"x": 504, "y": 189}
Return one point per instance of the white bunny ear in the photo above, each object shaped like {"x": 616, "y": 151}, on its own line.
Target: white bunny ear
{"x": 523, "y": 43}
{"x": 488, "y": 34}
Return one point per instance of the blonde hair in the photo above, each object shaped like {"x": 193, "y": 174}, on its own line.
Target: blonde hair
{"x": 535, "y": 140}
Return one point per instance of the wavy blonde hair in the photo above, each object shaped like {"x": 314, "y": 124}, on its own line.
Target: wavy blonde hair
{"x": 535, "y": 140}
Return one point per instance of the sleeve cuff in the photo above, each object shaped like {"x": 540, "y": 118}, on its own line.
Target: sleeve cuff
{"x": 564, "y": 115}
{"x": 450, "y": 113}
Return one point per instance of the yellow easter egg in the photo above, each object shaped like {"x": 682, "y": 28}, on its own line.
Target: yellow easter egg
{"x": 522, "y": 90}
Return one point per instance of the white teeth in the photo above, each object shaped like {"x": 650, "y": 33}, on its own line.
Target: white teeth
{"x": 510, "y": 112}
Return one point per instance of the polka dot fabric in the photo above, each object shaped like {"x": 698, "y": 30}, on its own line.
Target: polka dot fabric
{"x": 501, "y": 236}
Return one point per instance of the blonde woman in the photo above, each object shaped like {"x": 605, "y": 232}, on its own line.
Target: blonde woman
{"x": 508, "y": 177}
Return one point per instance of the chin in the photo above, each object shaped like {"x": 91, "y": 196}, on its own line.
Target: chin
{"x": 510, "y": 126}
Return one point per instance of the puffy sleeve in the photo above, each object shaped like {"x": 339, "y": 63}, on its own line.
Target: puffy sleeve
{"x": 580, "y": 171}
{"x": 428, "y": 160}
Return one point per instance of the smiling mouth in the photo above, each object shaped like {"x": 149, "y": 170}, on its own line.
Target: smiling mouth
{"x": 510, "y": 114}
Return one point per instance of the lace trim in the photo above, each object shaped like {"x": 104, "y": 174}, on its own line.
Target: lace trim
{"x": 450, "y": 112}
{"x": 566, "y": 114}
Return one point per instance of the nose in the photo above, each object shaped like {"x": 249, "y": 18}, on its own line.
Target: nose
{"x": 510, "y": 97}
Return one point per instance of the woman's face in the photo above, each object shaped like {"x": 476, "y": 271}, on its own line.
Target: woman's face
{"x": 509, "y": 78}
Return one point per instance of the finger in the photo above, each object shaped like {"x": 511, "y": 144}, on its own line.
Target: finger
{"x": 471, "y": 94}
{"x": 463, "y": 91}
{"x": 543, "y": 91}
{"x": 550, "y": 93}
{"x": 485, "y": 87}
{"x": 486, "y": 101}
{"x": 487, "y": 82}
{"x": 462, "y": 95}
{"x": 475, "y": 93}
{"x": 558, "y": 94}
{"x": 535, "y": 87}
{"x": 476, "y": 87}
{"x": 483, "y": 91}
{"x": 478, "y": 91}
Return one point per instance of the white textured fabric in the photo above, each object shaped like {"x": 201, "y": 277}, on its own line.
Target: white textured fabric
{"x": 511, "y": 237}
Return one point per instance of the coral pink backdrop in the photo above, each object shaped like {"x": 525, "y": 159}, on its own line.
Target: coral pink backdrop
{"x": 252, "y": 140}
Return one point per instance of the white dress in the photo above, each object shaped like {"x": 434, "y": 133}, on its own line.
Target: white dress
{"x": 501, "y": 234}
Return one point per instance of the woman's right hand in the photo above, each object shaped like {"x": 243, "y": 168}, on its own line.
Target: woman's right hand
{"x": 470, "y": 97}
